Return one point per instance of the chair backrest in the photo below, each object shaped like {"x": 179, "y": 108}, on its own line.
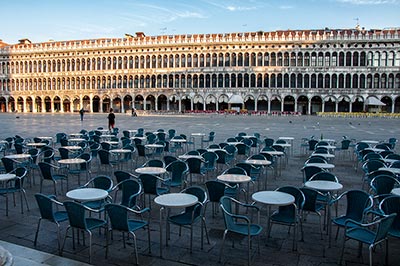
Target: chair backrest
{"x": 8, "y": 164}
{"x": 310, "y": 199}
{"x": 395, "y": 164}
{"x": 45, "y": 205}
{"x": 149, "y": 183}
{"x": 195, "y": 152}
{"x": 21, "y": 173}
{"x": 242, "y": 149}
{"x": 345, "y": 144}
{"x": 383, "y": 184}
{"x": 372, "y": 156}
{"x": 201, "y": 150}
{"x": 155, "y": 163}
{"x": 327, "y": 176}
{"x": 384, "y": 226}
{"x": 393, "y": 156}
{"x": 141, "y": 150}
{"x": 169, "y": 159}
{"x": 118, "y": 215}
{"x": 105, "y": 146}
{"x": 215, "y": 189}
{"x": 214, "y": 146}
{"x": 316, "y": 159}
{"x": 102, "y": 182}
{"x": 268, "y": 142}
{"x": 201, "y": 195}
{"x": 223, "y": 144}
{"x": 389, "y": 205}
{"x": 309, "y": 171}
{"x": 171, "y": 133}
{"x": 311, "y": 144}
{"x": 358, "y": 201}
{"x": 296, "y": 193}
{"x": 194, "y": 165}
{"x": 257, "y": 157}
{"x": 46, "y": 170}
{"x": 131, "y": 189}
{"x": 231, "y": 149}
{"x": 235, "y": 170}
{"x": 249, "y": 168}
{"x": 76, "y": 214}
{"x": 231, "y": 139}
{"x": 64, "y": 153}
{"x": 177, "y": 170}
{"x": 121, "y": 176}
{"x": 210, "y": 159}
{"x": 104, "y": 156}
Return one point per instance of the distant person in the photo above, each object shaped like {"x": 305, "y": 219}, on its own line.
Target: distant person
{"x": 81, "y": 112}
{"x": 134, "y": 112}
{"x": 111, "y": 119}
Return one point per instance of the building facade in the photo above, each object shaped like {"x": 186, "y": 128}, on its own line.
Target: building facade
{"x": 304, "y": 71}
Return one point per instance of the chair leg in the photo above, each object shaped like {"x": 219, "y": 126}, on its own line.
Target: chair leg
{"x": 90, "y": 246}
{"x": 37, "y": 232}
{"x": 222, "y": 245}
{"x": 370, "y": 254}
{"x": 248, "y": 249}
{"x": 148, "y": 236}
{"x": 135, "y": 245}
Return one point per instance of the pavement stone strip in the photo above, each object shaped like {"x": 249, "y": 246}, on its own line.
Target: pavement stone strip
{"x": 17, "y": 231}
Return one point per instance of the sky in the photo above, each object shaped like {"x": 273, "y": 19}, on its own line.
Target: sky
{"x": 59, "y": 20}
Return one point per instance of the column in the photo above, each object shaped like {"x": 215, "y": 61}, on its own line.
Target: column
{"x": 167, "y": 104}
{"x": 122, "y": 107}
{"x": 282, "y": 102}
{"x": 269, "y": 105}
{"x": 144, "y": 105}
{"x": 309, "y": 107}
{"x": 101, "y": 106}
{"x": 323, "y": 106}
{"x": 180, "y": 105}
{"x": 91, "y": 104}
{"x": 191, "y": 104}
{"x": 392, "y": 107}
{"x": 295, "y": 105}
{"x": 24, "y": 105}
{"x": 350, "y": 107}
{"x": 43, "y": 105}
{"x": 336, "y": 107}
{"x": 6, "y": 107}
{"x": 61, "y": 106}
{"x": 52, "y": 105}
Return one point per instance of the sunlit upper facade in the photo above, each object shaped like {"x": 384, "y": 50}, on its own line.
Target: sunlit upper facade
{"x": 304, "y": 71}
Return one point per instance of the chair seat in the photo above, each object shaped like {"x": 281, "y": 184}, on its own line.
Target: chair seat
{"x": 136, "y": 224}
{"x": 231, "y": 192}
{"x": 60, "y": 216}
{"x": 183, "y": 218}
{"x": 93, "y": 223}
{"x": 59, "y": 177}
{"x": 96, "y": 205}
{"x": 242, "y": 229}
{"x": 342, "y": 220}
{"x": 394, "y": 232}
{"x": 162, "y": 190}
{"x": 361, "y": 234}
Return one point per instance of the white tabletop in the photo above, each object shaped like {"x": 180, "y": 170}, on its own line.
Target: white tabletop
{"x": 375, "y": 149}
{"x": 323, "y": 185}
{"x": 107, "y": 136}
{"x": 112, "y": 142}
{"x": 18, "y": 156}
{"x": 87, "y": 194}
{"x": 216, "y": 149}
{"x": 258, "y": 162}
{"x": 198, "y": 134}
{"x": 76, "y": 139}
{"x": 75, "y": 135}
{"x": 396, "y": 191}
{"x": 285, "y": 145}
{"x": 234, "y": 178}
{"x": 6, "y": 177}
{"x": 72, "y": 148}
{"x": 370, "y": 141}
{"x": 286, "y": 138}
{"x": 132, "y": 130}
{"x": 71, "y": 161}
{"x": 321, "y": 165}
{"x": 325, "y": 155}
{"x": 390, "y": 169}
{"x": 36, "y": 144}
{"x": 248, "y": 136}
{"x": 48, "y": 138}
{"x": 178, "y": 140}
{"x": 273, "y": 153}
{"x": 234, "y": 143}
{"x": 276, "y": 198}
{"x": 153, "y": 146}
{"x": 176, "y": 200}
{"x": 187, "y": 156}
{"x": 120, "y": 151}
{"x": 151, "y": 170}
{"x": 329, "y": 147}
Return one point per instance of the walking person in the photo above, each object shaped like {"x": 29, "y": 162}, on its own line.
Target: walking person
{"x": 111, "y": 120}
{"x": 81, "y": 112}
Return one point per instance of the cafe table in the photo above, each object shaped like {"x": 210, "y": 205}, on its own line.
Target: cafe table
{"x": 196, "y": 135}
{"x": 235, "y": 179}
{"x": 396, "y": 191}
{"x": 151, "y": 170}
{"x": 70, "y": 162}
{"x": 36, "y": 144}
{"x": 321, "y": 165}
{"x": 290, "y": 139}
{"x": 87, "y": 194}
{"x": 272, "y": 198}
{"x": 172, "y": 201}
{"x": 261, "y": 163}
{"x": 328, "y": 187}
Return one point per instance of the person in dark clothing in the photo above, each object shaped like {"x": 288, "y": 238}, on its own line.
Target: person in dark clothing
{"x": 81, "y": 112}
{"x": 111, "y": 120}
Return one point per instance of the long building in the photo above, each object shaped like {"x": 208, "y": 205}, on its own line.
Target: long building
{"x": 301, "y": 71}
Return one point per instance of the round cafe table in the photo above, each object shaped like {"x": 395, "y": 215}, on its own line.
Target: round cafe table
{"x": 329, "y": 187}
{"x": 36, "y": 144}
{"x": 396, "y": 191}
{"x": 201, "y": 135}
{"x": 172, "y": 201}
{"x": 87, "y": 194}
{"x": 322, "y": 165}
{"x": 272, "y": 198}
{"x": 151, "y": 170}
{"x": 7, "y": 177}
{"x": 72, "y": 161}
{"x": 262, "y": 163}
